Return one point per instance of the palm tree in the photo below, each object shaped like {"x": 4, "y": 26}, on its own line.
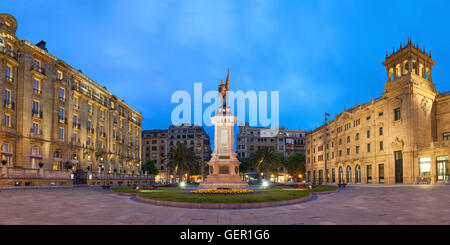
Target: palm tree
{"x": 182, "y": 160}
{"x": 295, "y": 164}
{"x": 265, "y": 160}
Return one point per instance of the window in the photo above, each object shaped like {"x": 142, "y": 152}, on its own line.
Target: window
{"x": 380, "y": 114}
{"x": 115, "y": 119}
{"x": 357, "y": 136}
{"x": 7, "y": 121}
{"x": 368, "y": 147}
{"x": 357, "y": 149}
{"x": 62, "y": 93}
{"x": 75, "y": 101}
{"x": 425, "y": 166}
{"x": 61, "y": 133}
{"x": 37, "y": 65}
{"x": 89, "y": 108}
{"x": 381, "y": 131}
{"x": 8, "y": 72}
{"x": 348, "y": 139}
{"x": 397, "y": 114}
{"x": 59, "y": 75}
{"x": 369, "y": 174}
{"x": 340, "y": 141}
{"x": 368, "y": 118}
{"x": 381, "y": 173}
{"x": 35, "y": 128}
{"x": 340, "y": 153}
{"x": 35, "y": 107}
{"x": 446, "y": 136}
{"x": 7, "y": 97}
{"x": 7, "y": 154}
{"x": 75, "y": 120}
{"x": 101, "y": 114}
{"x": 381, "y": 145}
{"x": 88, "y": 125}
{"x": 61, "y": 114}
{"x": 36, "y": 86}
{"x": 368, "y": 133}
{"x": 348, "y": 151}
{"x": 88, "y": 141}
{"x": 74, "y": 138}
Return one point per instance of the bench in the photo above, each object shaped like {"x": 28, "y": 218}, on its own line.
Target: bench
{"x": 342, "y": 185}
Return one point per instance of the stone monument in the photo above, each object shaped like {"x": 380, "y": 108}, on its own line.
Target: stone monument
{"x": 224, "y": 166}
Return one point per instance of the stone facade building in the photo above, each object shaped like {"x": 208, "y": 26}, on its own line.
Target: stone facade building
{"x": 251, "y": 139}
{"x": 401, "y": 137}
{"x": 53, "y": 114}
{"x": 157, "y": 144}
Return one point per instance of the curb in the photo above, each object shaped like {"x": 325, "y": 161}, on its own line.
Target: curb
{"x": 222, "y": 205}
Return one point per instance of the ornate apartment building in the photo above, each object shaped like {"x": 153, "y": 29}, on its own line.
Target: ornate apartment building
{"x": 53, "y": 114}
{"x": 251, "y": 139}
{"x": 401, "y": 137}
{"x": 157, "y": 144}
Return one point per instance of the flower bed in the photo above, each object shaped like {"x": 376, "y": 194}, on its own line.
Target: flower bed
{"x": 222, "y": 191}
{"x": 305, "y": 187}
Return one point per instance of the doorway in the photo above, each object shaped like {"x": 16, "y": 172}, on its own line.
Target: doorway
{"x": 398, "y": 167}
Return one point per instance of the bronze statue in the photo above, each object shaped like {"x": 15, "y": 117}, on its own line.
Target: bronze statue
{"x": 223, "y": 90}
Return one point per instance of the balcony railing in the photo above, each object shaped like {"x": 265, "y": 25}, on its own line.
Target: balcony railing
{"x": 36, "y": 133}
{"x": 37, "y": 114}
{"x": 9, "y": 105}
{"x": 37, "y": 92}
{"x": 38, "y": 69}
{"x": 9, "y": 53}
{"x": 76, "y": 125}
{"x": 9, "y": 78}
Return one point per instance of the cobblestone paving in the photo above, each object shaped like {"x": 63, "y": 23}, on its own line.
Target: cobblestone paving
{"x": 355, "y": 205}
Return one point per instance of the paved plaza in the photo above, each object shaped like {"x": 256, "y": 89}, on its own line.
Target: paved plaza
{"x": 380, "y": 205}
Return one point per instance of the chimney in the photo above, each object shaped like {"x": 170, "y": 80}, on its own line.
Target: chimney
{"x": 42, "y": 45}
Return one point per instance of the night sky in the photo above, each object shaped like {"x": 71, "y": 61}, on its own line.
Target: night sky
{"x": 321, "y": 55}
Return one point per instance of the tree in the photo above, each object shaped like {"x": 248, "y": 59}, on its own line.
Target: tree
{"x": 295, "y": 164}
{"x": 150, "y": 167}
{"x": 182, "y": 160}
{"x": 245, "y": 164}
{"x": 265, "y": 160}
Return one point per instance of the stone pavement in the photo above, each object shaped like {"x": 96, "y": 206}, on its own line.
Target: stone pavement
{"x": 361, "y": 204}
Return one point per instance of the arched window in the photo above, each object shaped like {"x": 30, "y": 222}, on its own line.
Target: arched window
{"x": 349, "y": 174}
{"x": 341, "y": 175}
{"x": 358, "y": 174}
{"x": 111, "y": 166}
{"x": 7, "y": 154}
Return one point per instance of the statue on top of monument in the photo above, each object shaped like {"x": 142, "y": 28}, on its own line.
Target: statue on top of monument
{"x": 223, "y": 90}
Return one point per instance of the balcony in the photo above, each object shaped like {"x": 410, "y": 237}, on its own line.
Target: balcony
{"x": 37, "y": 92}
{"x": 75, "y": 142}
{"x": 38, "y": 71}
{"x": 9, "y": 79}
{"x": 62, "y": 120}
{"x": 37, "y": 114}
{"x": 76, "y": 126}
{"x": 9, "y": 105}
{"x": 62, "y": 100}
{"x": 36, "y": 133}
{"x": 9, "y": 55}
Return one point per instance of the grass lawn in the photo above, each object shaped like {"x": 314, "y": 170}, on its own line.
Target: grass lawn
{"x": 273, "y": 193}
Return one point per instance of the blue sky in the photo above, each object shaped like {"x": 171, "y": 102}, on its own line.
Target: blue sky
{"x": 321, "y": 55}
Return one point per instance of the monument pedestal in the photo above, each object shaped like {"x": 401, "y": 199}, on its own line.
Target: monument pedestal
{"x": 223, "y": 166}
